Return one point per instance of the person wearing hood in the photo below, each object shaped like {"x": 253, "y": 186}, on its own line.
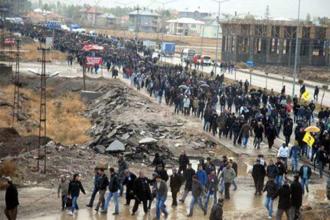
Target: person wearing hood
{"x": 11, "y": 199}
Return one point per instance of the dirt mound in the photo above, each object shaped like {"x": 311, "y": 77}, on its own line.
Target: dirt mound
{"x": 12, "y": 144}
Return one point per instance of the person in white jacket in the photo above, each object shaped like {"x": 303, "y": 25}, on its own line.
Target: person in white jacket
{"x": 186, "y": 105}
{"x": 283, "y": 153}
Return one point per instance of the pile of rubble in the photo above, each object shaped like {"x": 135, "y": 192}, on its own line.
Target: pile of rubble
{"x": 137, "y": 142}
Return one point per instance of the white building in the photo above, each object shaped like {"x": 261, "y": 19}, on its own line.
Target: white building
{"x": 185, "y": 26}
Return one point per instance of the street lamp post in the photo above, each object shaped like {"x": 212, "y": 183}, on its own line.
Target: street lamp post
{"x": 296, "y": 53}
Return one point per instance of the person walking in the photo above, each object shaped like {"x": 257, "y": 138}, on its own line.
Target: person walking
{"x": 129, "y": 183}
{"x": 142, "y": 193}
{"x": 217, "y": 211}
{"x": 175, "y": 185}
{"x": 11, "y": 199}
{"x": 235, "y": 167}
{"x": 75, "y": 187}
{"x": 188, "y": 176}
{"x": 245, "y": 133}
{"x": 321, "y": 160}
{"x": 271, "y": 134}
{"x": 228, "y": 175}
{"x": 258, "y": 174}
{"x": 114, "y": 187}
{"x": 271, "y": 190}
{"x": 201, "y": 175}
{"x": 284, "y": 202}
{"x": 102, "y": 188}
{"x": 296, "y": 198}
{"x": 281, "y": 171}
{"x": 62, "y": 190}
{"x": 259, "y": 130}
{"x": 122, "y": 166}
{"x": 197, "y": 193}
{"x": 271, "y": 170}
{"x": 183, "y": 162}
{"x": 283, "y": 154}
{"x": 161, "y": 195}
{"x": 95, "y": 191}
{"x": 294, "y": 156}
{"x": 305, "y": 173}
{"x": 212, "y": 188}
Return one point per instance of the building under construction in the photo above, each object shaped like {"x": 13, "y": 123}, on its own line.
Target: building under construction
{"x": 274, "y": 42}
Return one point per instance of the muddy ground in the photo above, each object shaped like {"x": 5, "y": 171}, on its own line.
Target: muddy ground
{"x": 128, "y": 111}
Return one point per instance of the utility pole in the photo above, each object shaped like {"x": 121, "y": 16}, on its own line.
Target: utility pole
{"x": 43, "y": 108}
{"x": 16, "y": 81}
{"x": 217, "y": 45}
{"x": 296, "y": 53}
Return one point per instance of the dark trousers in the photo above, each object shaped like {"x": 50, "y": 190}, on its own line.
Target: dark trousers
{"x": 270, "y": 142}
{"x": 227, "y": 187}
{"x": 174, "y": 198}
{"x": 11, "y": 214}
{"x": 91, "y": 201}
{"x": 259, "y": 184}
{"x": 137, "y": 203}
{"x": 63, "y": 202}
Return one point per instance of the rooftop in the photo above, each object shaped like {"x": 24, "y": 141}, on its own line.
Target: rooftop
{"x": 185, "y": 21}
{"x": 144, "y": 12}
{"x": 278, "y": 22}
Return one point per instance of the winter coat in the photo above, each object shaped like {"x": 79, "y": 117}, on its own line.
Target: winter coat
{"x": 284, "y": 197}
{"x": 129, "y": 181}
{"x": 188, "y": 174}
{"x": 294, "y": 152}
{"x": 196, "y": 189}
{"x": 142, "y": 189}
{"x": 271, "y": 189}
{"x": 258, "y": 171}
{"x": 183, "y": 161}
{"x": 202, "y": 177}
{"x": 75, "y": 187}
{"x": 280, "y": 168}
{"x": 301, "y": 171}
{"x": 272, "y": 171}
{"x": 296, "y": 194}
{"x": 63, "y": 188}
{"x": 212, "y": 183}
{"x": 103, "y": 182}
{"x": 175, "y": 182}
{"x": 216, "y": 212}
{"x": 163, "y": 175}
{"x": 161, "y": 189}
{"x": 114, "y": 183}
{"x": 11, "y": 197}
{"x": 228, "y": 175}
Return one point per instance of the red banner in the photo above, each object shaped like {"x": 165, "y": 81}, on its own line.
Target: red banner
{"x": 90, "y": 47}
{"x": 92, "y": 61}
{"x": 9, "y": 41}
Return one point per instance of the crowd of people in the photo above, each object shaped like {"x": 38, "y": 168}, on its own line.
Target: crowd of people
{"x": 236, "y": 111}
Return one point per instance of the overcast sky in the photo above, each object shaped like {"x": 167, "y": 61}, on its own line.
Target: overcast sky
{"x": 278, "y": 8}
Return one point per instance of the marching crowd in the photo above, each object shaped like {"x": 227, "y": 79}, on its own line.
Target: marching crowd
{"x": 235, "y": 111}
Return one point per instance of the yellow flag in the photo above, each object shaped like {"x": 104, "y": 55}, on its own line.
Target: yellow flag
{"x": 309, "y": 139}
{"x": 306, "y": 96}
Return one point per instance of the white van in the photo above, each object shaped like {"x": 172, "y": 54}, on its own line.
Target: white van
{"x": 187, "y": 55}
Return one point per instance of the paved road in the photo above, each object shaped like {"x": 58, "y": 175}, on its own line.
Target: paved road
{"x": 259, "y": 79}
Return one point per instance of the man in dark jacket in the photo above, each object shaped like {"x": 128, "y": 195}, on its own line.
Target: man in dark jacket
{"x": 296, "y": 198}
{"x": 102, "y": 188}
{"x": 197, "y": 194}
{"x": 161, "y": 196}
{"x": 142, "y": 192}
{"x": 75, "y": 187}
{"x": 114, "y": 187}
{"x": 305, "y": 173}
{"x": 175, "y": 185}
{"x": 271, "y": 190}
{"x": 271, "y": 169}
{"x": 217, "y": 211}
{"x": 284, "y": 202}
{"x": 183, "y": 162}
{"x": 190, "y": 172}
{"x": 158, "y": 161}
{"x": 11, "y": 199}
{"x": 258, "y": 174}
{"x": 162, "y": 173}
{"x": 122, "y": 166}
{"x": 96, "y": 179}
{"x": 129, "y": 182}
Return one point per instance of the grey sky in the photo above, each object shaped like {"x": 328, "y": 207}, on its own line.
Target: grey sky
{"x": 278, "y": 8}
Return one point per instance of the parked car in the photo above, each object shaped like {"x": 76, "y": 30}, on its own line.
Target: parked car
{"x": 206, "y": 60}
